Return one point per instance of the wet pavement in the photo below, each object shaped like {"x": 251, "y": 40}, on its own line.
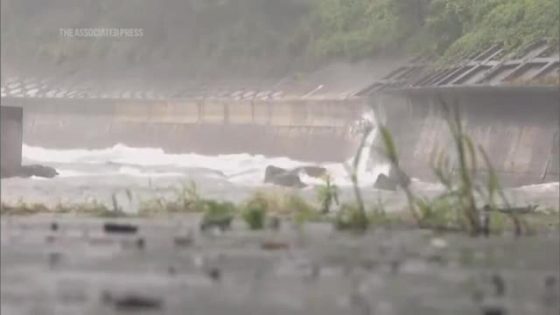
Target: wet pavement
{"x": 68, "y": 265}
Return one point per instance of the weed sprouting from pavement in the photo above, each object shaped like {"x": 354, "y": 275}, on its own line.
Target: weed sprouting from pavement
{"x": 254, "y": 213}
{"x": 351, "y": 217}
{"x": 262, "y": 205}
{"x": 218, "y": 214}
{"x": 186, "y": 199}
{"x": 22, "y": 208}
{"x": 302, "y": 210}
{"x": 189, "y": 197}
{"x": 327, "y": 195}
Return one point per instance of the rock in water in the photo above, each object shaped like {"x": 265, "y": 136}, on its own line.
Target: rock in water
{"x": 313, "y": 171}
{"x": 398, "y": 176}
{"x": 383, "y": 182}
{"x": 392, "y": 181}
{"x": 288, "y": 180}
{"x": 273, "y": 171}
{"x": 37, "y": 170}
{"x": 282, "y": 177}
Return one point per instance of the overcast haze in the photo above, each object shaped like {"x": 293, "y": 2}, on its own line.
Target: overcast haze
{"x": 188, "y": 38}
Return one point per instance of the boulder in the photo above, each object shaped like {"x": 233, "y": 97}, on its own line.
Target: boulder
{"x": 392, "y": 181}
{"x": 397, "y": 175}
{"x": 36, "y": 170}
{"x": 283, "y": 177}
{"x": 273, "y": 171}
{"x": 383, "y": 182}
{"x": 313, "y": 171}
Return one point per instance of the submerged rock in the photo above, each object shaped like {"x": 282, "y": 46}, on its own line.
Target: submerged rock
{"x": 383, "y": 182}
{"x": 399, "y": 176}
{"x": 283, "y": 177}
{"x": 313, "y": 171}
{"x": 273, "y": 171}
{"x": 31, "y": 170}
{"x": 392, "y": 181}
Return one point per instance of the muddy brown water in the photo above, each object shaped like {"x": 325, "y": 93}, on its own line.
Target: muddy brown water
{"x": 69, "y": 265}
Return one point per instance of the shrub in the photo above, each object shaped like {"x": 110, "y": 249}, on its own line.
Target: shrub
{"x": 327, "y": 195}
{"x": 217, "y": 214}
{"x": 351, "y": 217}
{"x": 255, "y": 213}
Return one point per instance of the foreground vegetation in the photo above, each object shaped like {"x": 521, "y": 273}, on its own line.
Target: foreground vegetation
{"x": 271, "y": 210}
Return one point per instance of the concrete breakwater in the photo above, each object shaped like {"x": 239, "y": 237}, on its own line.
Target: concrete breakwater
{"x": 518, "y": 127}
{"x": 315, "y": 130}
{"x": 12, "y": 133}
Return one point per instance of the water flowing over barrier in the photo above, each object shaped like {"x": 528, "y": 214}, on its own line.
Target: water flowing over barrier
{"x": 516, "y": 126}
{"x": 313, "y": 130}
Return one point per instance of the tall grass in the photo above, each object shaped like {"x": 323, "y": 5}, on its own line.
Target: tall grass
{"x": 390, "y": 152}
{"x": 327, "y": 195}
{"x": 354, "y": 216}
{"x": 457, "y": 207}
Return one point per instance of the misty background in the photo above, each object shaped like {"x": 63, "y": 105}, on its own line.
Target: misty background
{"x": 206, "y": 39}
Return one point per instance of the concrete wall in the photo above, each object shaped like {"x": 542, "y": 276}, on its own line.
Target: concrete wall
{"x": 517, "y": 127}
{"x": 316, "y": 130}
{"x": 11, "y": 139}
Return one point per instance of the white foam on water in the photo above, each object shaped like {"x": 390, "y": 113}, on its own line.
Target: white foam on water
{"x": 72, "y": 173}
{"x": 238, "y": 168}
{"x": 545, "y": 187}
{"x": 132, "y": 171}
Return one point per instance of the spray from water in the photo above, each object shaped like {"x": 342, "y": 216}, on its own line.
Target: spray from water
{"x": 244, "y": 169}
{"x": 370, "y": 165}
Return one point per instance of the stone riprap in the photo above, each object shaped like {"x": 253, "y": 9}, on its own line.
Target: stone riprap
{"x": 74, "y": 265}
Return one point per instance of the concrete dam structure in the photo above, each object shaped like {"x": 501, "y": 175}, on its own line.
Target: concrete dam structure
{"x": 11, "y": 119}
{"x": 516, "y": 127}
{"x": 311, "y": 118}
{"x": 301, "y": 129}
{"x": 509, "y": 106}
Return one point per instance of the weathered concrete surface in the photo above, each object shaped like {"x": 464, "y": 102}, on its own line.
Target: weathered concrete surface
{"x": 318, "y": 130}
{"x": 305, "y": 116}
{"x": 517, "y": 127}
{"x": 11, "y": 134}
{"x": 74, "y": 267}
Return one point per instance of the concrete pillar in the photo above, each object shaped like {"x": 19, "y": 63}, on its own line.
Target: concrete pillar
{"x": 11, "y": 134}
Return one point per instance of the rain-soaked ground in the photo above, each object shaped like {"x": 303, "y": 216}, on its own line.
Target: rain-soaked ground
{"x": 74, "y": 266}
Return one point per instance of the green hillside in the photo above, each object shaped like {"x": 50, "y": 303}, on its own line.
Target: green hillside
{"x": 268, "y": 37}
{"x": 451, "y": 28}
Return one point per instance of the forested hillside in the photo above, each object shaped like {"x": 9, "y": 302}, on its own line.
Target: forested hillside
{"x": 360, "y": 28}
{"x": 265, "y": 37}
